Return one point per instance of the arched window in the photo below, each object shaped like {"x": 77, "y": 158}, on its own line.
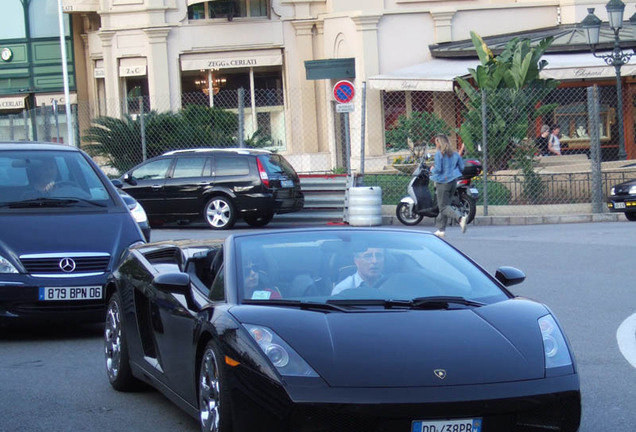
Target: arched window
{"x": 11, "y": 27}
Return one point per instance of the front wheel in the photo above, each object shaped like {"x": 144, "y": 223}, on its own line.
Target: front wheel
{"x": 406, "y": 216}
{"x": 220, "y": 213}
{"x": 116, "y": 348}
{"x": 467, "y": 206}
{"x": 214, "y": 411}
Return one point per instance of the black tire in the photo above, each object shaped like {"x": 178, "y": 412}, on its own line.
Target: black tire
{"x": 405, "y": 216}
{"x": 259, "y": 221}
{"x": 116, "y": 348}
{"x": 214, "y": 407}
{"x": 468, "y": 207}
{"x": 630, "y": 216}
{"x": 219, "y": 213}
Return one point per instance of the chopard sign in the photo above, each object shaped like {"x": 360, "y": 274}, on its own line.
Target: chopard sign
{"x": 588, "y": 73}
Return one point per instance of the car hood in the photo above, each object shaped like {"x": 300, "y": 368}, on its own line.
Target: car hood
{"x": 626, "y": 185}
{"x": 58, "y": 233}
{"x": 491, "y": 344}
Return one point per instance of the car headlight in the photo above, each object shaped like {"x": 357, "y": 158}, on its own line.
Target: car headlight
{"x": 6, "y": 266}
{"x": 632, "y": 190}
{"x": 138, "y": 212}
{"x": 279, "y": 353}
{"x": 555, "y": 348}
{"x": 612, "y": 191}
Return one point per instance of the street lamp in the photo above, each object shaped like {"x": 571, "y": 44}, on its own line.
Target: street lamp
{"x": 617, "y": 58}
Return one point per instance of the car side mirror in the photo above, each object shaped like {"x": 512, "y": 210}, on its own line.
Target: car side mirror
{"x": 509, "y": 276}
{"x": 175, "y": 283}
{"x": 117, "y": 183}
{"x": 129, "y": 179}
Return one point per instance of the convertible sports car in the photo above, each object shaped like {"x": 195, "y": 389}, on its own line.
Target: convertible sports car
{"x": 337, "y": 329}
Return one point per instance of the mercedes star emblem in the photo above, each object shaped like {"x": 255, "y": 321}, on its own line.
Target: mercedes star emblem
{"x": 67, "y": 265}
{"x": 440, "y": 373}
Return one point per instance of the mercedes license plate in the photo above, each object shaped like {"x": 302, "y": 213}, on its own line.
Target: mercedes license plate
{"x": 619, "y": 205}
{"x": 460, "y": 425}
{"x": 70, "y": 293}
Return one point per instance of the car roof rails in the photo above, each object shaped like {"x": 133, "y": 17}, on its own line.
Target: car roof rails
{"x": 238, "y": 150}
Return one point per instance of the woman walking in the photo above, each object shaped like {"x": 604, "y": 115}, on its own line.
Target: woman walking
{"x": 447, "y": 169}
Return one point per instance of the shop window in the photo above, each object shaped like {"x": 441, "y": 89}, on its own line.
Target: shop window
{"x": 229, "y": 9}
{"x": 11, "y": 20}
{"x": 44, "y": 19}
{"x": 136, "y": 91}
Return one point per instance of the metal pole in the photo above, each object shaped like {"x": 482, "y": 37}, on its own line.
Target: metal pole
{"x": 69, "y": 118}
{"x": 619, "y": 106}
{"x": 345, "y": 117}
{"x": 25, "y": 116}
{"x": 57, "y": 121}
{"x": 142, "y": 126}
{"x": 595, "y": 149}
{"x": 241, "y": 117}
{"x": 484, "y": 146}
{"x": 363, "y": 111}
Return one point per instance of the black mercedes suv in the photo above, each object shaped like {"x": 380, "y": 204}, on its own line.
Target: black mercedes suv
{"x": 218, "y": 186}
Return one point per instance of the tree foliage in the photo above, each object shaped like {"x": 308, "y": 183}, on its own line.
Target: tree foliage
{"x": 514, "y": 92}
{"x": 119, "y": 141}
{"x": 414, "y": 132}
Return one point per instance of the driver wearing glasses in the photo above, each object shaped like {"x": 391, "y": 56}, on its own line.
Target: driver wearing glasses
{"x": 370, "y": 267}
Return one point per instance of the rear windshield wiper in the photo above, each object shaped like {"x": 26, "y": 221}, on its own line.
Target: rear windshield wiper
{"x": 50, "y": 202}
{"x": 299, "y": 304}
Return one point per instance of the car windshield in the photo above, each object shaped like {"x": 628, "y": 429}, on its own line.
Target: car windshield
{"x": 31, "y": 179}
{"x": 387, "y": 268}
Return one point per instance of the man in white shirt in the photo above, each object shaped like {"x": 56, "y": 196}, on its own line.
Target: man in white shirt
{"x": 370, "y": 265}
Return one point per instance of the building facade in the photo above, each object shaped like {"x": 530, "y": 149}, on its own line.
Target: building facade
{"x": 162, "y": 55}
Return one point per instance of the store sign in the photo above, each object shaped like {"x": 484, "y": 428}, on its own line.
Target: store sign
{"x": 135, "y": 66}
{"x": 99, "y": 73}
{"x": 12, "y": 102}
{"x": 49, "y": 99}
{"x": 240, "y": 59}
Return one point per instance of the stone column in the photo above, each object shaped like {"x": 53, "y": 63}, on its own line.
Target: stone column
{"x": 111, "y": 74}
{"x": 161, "y": 97}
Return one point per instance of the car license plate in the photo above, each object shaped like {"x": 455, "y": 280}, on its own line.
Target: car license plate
{"x": 461, "y": 425}
{"x": 70, "y": 293}
{"x": 286, "y": 183}
{"x": 619, "y": 205}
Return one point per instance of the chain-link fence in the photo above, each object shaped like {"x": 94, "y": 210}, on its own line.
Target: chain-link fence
{"x": 382, "y": 135}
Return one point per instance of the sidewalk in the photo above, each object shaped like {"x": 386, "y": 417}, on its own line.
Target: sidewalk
{"x": 525, "y": 215}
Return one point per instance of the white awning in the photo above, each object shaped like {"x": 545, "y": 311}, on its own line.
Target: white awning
{"x": 233, "y": 59}
{"x": 12, "y": 102}
{"x": 132, "y": 66}
{"x": 48, "y": 99}
{"x": 439, "y": 74}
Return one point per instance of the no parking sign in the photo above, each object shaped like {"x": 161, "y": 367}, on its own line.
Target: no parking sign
{"x": 343, "y": 91}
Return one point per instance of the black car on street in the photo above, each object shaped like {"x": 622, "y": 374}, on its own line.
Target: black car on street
{"x": 218, "y": 186}
{"x": 337, "y": 329}
{"x": 622, "y": 199}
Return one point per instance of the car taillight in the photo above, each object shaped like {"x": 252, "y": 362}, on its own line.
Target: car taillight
{"x": 262, "y": 173}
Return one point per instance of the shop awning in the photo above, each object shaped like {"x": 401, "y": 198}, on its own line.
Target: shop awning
{"x": 233, "y": 59}
{"x": 12, "y": 102}
{"x": 439, "y": 74}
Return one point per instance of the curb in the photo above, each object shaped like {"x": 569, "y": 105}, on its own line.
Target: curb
{"x": 529, "y": 220}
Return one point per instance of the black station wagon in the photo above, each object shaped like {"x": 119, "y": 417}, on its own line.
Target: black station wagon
{"x": 216, "y": 185}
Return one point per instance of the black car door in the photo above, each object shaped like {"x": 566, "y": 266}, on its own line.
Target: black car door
{"x": 189, "y": 178}
{"x": 146, "y": 184}
{"x": 174, "y": 325}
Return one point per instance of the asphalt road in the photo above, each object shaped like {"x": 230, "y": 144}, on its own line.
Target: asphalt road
{"x": 53, "y": 379}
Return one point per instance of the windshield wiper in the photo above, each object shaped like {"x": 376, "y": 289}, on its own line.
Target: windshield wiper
{"x": 442, "y": 302}
{"x": 297, "y": 303}
{"x": 50, "y": 202}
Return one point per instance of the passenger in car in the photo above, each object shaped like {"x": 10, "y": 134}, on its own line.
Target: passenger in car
{"x": 42, "y": 177}
{"x": 256, "y": 283}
